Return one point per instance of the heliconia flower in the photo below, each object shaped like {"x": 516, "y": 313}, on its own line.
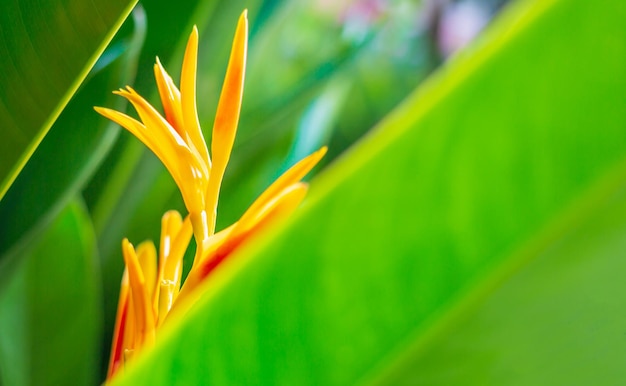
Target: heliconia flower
{"x": 151, "y": 289}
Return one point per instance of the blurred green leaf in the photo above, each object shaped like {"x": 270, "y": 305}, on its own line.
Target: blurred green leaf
{"x": 50, "y": 311}
{"x": 84, "y": 137}
{"x": 559, "y": 320}
{"x": 317, "y": 122}
{"x": 465, "y": 202}
{"x": 47, "y": 49}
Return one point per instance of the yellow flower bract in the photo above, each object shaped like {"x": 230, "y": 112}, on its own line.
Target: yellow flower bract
{"x": 152, "y": 290}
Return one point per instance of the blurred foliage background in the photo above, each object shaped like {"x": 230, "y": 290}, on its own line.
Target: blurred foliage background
{"x": 319, "y": 73}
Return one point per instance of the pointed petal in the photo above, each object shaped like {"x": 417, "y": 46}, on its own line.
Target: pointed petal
{"x": 144, "y": 316}
{"x": 291, "y": 176}
{"x": 171, "y": 222}
{"x": 279, "y": 206}
{"x": 160, "y": 149}
{"x": 172, "y": 104}
{"x": 117, "y": 348}
{"x": 170, "y": 97}
{"x": 189, "y": 172}
{"x": 169, "y": 285}
{"x": 188, "y": 96}
{"x": 132, "y": 125}
{"x": 147, "y": 257}
{"x": 130, "y": 329}
{"x": 180, "y": 242}
{"x": 158, "y": 144}
{"x": 227, "y": 115}
{"x": 170, "y": 225}
{"x": 160, "y": 128}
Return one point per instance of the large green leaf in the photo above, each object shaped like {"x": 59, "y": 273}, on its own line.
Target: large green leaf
{"x": 557, "y": 321}
{"x": 84, "y": 137}
{"x": 50, "y": 312}
{"x": 467, "y": 201}
{"x": 47, "y": 49}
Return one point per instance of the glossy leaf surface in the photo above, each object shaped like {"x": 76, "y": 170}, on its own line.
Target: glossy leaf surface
{"x": 466, "y": 201}
{"x": 74, "y": 147}
{"x": 47, "y": 49}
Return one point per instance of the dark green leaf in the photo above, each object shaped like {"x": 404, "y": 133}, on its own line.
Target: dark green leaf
{"x": 47, "y": 49}
{"x": 50, "y": 311}
{"x": 73, "y": 148}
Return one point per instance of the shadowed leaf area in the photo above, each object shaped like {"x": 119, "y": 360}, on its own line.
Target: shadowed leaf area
{"x": 47, "y": 47}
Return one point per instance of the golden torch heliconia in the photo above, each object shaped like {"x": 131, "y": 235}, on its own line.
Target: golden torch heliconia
{"x": 152, "y": 287}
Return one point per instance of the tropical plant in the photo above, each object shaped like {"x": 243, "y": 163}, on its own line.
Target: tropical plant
{"x": 474, "y": 236}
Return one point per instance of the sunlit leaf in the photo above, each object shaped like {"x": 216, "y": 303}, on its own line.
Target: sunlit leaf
{"x": 561, "y": 311}
{"x": 465, "y": 202}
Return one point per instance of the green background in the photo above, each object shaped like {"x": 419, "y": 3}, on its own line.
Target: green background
{"x": 473, "y": 236}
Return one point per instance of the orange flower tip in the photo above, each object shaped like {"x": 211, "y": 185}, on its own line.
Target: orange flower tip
{"x": 193, "y": 38}
{"x": 243, "y": 23}
{"x": 124, "y": 92}
{"x": 106, "y": 111}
